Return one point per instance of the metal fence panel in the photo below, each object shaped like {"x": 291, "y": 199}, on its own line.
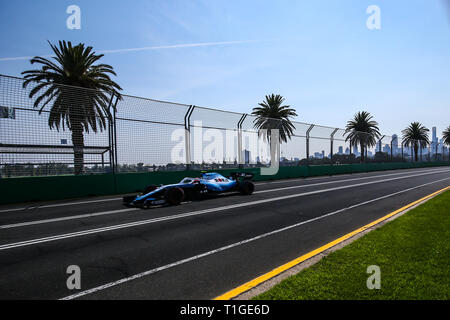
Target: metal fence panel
{"x": 30, "y": 145}
{"x": 150, "y": 135}
{"x": 137, "y": 134}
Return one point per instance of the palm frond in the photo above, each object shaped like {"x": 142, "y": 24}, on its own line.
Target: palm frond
{"x": 446, "y": 136}
{"x": 362, "y": 130}
{"x": 415, "y": 134}
{"x": 73, "y": 66}
{"x": 271, "y": 114}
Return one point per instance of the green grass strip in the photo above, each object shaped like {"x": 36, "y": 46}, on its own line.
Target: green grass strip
{"x": 413, "y": 253}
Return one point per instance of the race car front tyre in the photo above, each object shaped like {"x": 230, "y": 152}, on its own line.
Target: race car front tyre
{"x": 174, "y": 196}
{"x": 149, "y": 188}
{"x": 246, "y": 187}
{"x": 128, "y": 199}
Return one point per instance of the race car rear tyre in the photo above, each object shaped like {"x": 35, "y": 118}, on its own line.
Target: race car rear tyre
{"x": 149, "y": 188}
{"x": 246, "y": 187}
{"x": 174, "y": 196}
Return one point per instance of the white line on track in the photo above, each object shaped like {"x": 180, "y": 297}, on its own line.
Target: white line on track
{"x": 96, "y": 214}
{"x": 264, "y": 235}
{"x": 59, "y": 205}
{"x": 403, "y": 171}
{"x": 80, "y": 216}
{"x": 187, "y": 214}
{"x": 259, "y": 183}
{"x": 346, "y": 180}
{"x": 125, "y": 210}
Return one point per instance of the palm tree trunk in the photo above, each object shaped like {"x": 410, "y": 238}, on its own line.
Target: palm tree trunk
{"x": 78, "y": 147}
{"x": 416, "y": 152}
{"x": 362, "y": 151}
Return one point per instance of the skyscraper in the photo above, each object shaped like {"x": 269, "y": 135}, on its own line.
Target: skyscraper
{"x": 434, "y": 138}
{"x": 394, "y": 144}
{"x": 246, "y": 156}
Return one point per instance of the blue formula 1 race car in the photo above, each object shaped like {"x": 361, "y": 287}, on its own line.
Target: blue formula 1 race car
{"x": 192, "y": 189}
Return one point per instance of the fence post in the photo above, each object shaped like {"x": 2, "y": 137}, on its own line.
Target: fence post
{"x": 351, "y": 152}
{"x": 110, "y": 136}
{"x": 436, "y": 153}
{"x": 391, "y": 147}
{"x": 307, "y": 142}
{"x": 379, "y": 144}
{"x": 239, "y": 136}
{"x": 115, "y": 133}
{"x": 331, "y": 142}
{"x": 187, "y": 136}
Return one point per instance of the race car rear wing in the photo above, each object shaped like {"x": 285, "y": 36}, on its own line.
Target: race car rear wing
{"x": 241, "y": 175}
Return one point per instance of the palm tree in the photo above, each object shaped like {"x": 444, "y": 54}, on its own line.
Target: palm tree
{"x": 271, "y": 114}
{"x": 73, "y": 106}
{"x": 362, "y": 130}
{"x": 416, "y": 135}
{"x": 446, "y": 137}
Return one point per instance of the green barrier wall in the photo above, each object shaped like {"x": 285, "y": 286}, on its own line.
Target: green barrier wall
{"x": 13, "y": 190}
{"x": 52, "y": 188}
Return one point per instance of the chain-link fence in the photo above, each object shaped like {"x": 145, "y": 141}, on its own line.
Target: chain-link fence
{"x": 51, "y": 129}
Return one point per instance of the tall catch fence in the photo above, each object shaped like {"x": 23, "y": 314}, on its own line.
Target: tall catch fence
{"x": 48, "y": 129}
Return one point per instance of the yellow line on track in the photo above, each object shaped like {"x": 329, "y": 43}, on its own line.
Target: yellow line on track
{"x": 255, "y": 282}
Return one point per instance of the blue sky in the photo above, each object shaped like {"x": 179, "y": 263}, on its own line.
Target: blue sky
{"x": 318, "y": 54}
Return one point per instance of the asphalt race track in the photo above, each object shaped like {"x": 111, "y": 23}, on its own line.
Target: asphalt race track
{"x": 197, "y": 250}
